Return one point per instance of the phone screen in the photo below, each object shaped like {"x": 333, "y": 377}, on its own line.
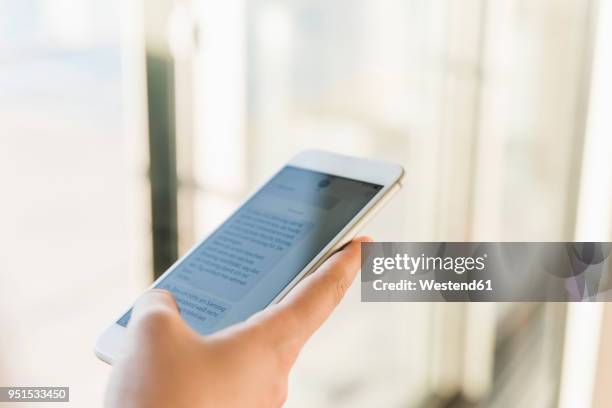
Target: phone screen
{"x": 262, "y": 247}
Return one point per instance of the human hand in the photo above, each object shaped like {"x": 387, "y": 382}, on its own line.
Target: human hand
{"x": 167, "y": 364}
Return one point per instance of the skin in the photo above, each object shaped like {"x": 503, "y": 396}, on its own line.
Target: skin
{"x": 167, "y": 364}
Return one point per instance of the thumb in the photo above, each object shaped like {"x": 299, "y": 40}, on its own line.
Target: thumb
{"x": 307, "y": 306}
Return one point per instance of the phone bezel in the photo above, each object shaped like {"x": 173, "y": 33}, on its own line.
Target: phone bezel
{"x": 389, "y": 175}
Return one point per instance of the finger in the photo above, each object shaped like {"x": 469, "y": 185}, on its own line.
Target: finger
{"x": 155, "y": 337}
{"x": 308, "y": 305}
{"x": 154, "y": 307}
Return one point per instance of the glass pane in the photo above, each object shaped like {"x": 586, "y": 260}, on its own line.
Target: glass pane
{"x": 481, "y": 103}
{"x": 67, "y": 222}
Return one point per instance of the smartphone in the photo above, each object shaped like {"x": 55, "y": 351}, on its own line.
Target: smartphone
{"x": 305, "y": 212}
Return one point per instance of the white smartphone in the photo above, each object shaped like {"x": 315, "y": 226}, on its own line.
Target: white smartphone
{"x": 308, "y": 210}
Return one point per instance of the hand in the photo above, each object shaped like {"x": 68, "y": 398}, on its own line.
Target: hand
{"x": 167, "y": 364}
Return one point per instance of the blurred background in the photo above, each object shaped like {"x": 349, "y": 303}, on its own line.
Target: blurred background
{"x": 129, "y": 129}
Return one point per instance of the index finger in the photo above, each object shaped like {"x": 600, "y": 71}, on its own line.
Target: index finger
{"x": 310, "y": 303}
{"x": 154, "y": 312}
